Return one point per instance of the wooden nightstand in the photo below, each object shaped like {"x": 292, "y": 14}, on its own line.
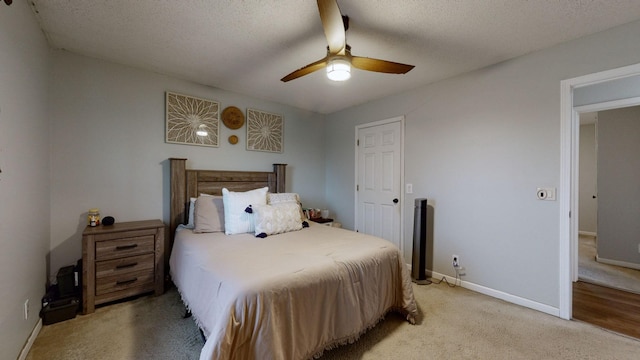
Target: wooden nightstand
{"x": 327, "y": 222}
{"x": 121, "y": 260}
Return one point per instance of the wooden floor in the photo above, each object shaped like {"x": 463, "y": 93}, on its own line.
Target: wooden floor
{"x": 609, "y": 308}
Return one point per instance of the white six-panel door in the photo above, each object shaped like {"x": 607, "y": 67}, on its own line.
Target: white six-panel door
{"x": 379, "y": 175}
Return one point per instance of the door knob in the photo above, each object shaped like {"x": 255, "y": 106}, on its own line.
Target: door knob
{"x": 395, "y": 201}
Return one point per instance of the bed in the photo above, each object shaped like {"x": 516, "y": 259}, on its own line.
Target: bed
{"x": 290, "y": 295}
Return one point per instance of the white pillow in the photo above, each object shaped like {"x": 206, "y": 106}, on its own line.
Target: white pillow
{"x": 236, "y": 220}
{"x": 192, "y": 207}
{"x": 277, "y": 219}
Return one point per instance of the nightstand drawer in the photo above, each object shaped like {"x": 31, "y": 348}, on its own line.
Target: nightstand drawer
{"x": 113, "y": 249}
{"x": 127, "y": 265}
{"x": 124, "y": 281}
{"x": 121, "y": 260}
{"x": 106, "y": 235}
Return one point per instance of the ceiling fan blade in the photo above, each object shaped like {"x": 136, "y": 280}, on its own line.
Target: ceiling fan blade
{"x": 383, "y": 66}
{"x": 333, "y": 26}
{"x": 314, "y": 66}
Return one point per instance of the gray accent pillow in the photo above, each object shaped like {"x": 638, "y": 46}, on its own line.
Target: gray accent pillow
{"x": 208, "y": 214}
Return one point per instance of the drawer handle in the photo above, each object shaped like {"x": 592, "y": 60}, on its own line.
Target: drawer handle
{"x": 124, "y": 266}
{"x": 126, "y": 247}
{"x": 126, "y": 282}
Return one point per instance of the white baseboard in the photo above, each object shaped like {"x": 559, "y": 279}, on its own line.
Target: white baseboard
{"x": 500, "y": 295}
{"x": 618, "y": 263}
{"x": 30, "y": 341}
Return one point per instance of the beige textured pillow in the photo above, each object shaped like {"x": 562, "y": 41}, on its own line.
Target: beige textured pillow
{"x": 276, "y": 219}
{"x": 209, "y": 214}
{"x": 285, "y": 198}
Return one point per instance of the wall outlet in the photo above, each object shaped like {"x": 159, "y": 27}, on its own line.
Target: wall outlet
{"x": 455, "y": 261}
{"x": 26, "y": 309}
{"x": 462, "y": 271}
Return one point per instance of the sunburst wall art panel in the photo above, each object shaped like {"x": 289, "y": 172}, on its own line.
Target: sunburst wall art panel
{"x": 265, "y": 131}
{"x": 192, "y": 120}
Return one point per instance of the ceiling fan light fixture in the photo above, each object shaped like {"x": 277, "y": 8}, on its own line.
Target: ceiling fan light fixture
{"x": 338, "y": 70}
{"x": 339, "y": 59}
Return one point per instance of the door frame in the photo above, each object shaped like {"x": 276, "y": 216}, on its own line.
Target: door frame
{"x": 569, "y": 157}
{"x": 358, "y": 127}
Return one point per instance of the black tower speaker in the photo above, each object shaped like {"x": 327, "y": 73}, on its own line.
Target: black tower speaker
{"x": 418, "y": 263}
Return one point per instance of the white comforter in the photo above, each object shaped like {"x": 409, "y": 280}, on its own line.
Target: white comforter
{"x": 288, "y": 296}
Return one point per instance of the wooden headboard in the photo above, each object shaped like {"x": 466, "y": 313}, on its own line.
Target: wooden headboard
{"x": 188, "y": 183}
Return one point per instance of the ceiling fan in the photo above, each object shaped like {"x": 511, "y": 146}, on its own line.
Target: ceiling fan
{"x": 339, "y": 59}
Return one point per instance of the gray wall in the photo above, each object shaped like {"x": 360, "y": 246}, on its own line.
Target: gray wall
{"x": 619, "y": 185}
{"x": 478, "y": 145}
{"x": 24, "y": 180}
{"x": 108, "y": 148}
{"x": 588, "y": 206}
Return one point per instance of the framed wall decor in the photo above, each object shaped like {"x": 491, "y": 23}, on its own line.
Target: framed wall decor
{"x": 191, "y": 120}
{"x": 265, "y": 131}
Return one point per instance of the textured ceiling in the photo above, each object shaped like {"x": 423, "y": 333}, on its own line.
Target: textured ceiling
{"x": 247, "y": 46}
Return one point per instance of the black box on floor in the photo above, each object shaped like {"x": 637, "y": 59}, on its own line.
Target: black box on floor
{"x": 59, "y": 310}
{"x": 66, "y": 281}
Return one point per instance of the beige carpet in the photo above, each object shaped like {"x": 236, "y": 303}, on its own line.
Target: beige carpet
{"x": 457, "y": 324}
{"x": 589, "y": 270}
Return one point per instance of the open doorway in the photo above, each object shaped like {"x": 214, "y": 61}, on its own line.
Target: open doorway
{"x": 608, "y": 90}
{"x": 607, "y": 293}
{"x": 604, "y": 260}
{"x": 599, "y": 93}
